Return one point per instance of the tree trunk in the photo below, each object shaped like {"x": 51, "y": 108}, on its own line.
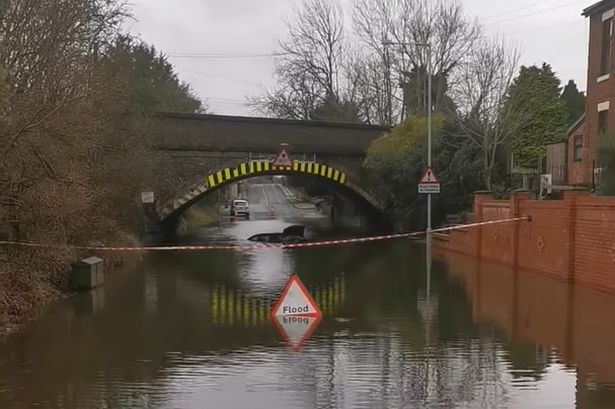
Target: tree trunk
{"x": 488, "y": 169}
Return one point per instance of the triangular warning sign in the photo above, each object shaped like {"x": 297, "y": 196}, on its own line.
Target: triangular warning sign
{"x": 282, "y": 159}
{"x": 295, "y": 300}
{"x": 428, "y": 177}
{"x": 296, "y": 330}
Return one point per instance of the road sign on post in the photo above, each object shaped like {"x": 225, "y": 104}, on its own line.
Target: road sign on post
{"x": 282, "y": 159}
{"x": 429, "y": 184}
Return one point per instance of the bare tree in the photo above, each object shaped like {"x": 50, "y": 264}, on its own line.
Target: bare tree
{"x": 309, "y": 68}
{"x": 481, "y": 94}
{"x": 54, "y": 110}
{"x": 408, "y": 23}
{"x": 57, "y": 120}
{"x": 75, "y": 103}
{"x": 373, "y": 24}
{"x": 365, "y": 80}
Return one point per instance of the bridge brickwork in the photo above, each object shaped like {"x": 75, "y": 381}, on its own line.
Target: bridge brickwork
{"x": 175, "y": 206}
{"x": 186, "y": 167}
{"x": 192, "y": 148}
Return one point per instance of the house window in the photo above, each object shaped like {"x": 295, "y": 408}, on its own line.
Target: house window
{"x": 607, "y": 35}
{"x": 577, "y": 154}
{"x": 603, "y": 122}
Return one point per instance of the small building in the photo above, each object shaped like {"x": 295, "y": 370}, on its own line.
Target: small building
{"x": 576, "y": 168}
{"x": 580, "y": 145}
{"x": 556, "y": 162}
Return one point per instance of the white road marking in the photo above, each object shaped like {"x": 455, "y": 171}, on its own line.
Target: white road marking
{"x": 265, "y": 196}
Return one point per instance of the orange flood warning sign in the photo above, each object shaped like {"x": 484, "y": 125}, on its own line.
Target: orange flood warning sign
{"x": 295, "y": 300}
{"x": 295, "y": 314}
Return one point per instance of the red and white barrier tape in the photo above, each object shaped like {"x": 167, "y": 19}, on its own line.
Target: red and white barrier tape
{"x": 226, "y": 247}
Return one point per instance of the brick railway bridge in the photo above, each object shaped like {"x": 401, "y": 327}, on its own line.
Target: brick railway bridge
{"x": 201, "y": 153}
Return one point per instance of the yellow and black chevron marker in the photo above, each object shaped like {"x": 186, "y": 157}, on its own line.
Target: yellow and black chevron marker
{"x": 254, "y": 168}
{"x": 257, "y": 167}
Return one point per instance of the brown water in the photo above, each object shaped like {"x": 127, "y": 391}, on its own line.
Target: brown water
{"x": 191, "y": 331}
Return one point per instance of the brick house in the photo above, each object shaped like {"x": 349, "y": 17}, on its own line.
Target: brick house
{"x": 580, "y": 145}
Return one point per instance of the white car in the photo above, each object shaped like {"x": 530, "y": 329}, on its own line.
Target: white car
{"x": 240, "y": 207}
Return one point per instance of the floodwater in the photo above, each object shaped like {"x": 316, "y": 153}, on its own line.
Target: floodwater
{"x": 192, "y": 331}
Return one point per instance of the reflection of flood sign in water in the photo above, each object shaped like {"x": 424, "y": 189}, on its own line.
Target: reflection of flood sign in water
{"x": 295, "y": 300}
{"x": 296, "y": 330}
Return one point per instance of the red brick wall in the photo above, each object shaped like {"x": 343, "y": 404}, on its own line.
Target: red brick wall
{"x": 595, "y": 241}
{"x": 571, "y": 239}
{"x": 541, "y": 244}
{"x": 497, "y": 239}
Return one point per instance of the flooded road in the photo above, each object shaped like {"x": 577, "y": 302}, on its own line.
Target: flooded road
{"x": 192, "y": 331}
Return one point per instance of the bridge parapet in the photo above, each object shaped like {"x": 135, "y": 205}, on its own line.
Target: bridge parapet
{"x": 220, "y": 133}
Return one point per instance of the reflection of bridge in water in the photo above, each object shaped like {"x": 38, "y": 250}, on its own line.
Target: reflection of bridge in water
{"x": 231, "y": 306}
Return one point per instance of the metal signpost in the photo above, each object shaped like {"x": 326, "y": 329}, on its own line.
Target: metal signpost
{"x": 428, "y": 184}
{"x": 427, "y": 46}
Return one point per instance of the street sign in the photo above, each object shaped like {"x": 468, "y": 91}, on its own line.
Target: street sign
{"x": 282, "y": 159}
{"x": 296, "y": 330}
{"x": 429, "y": 189}
{"x": 428, "y": 177}
{"x": 429, "y": 184}
{"x": 147, "y": 197}
{"x": 295, "y": 300}
{"x": 546, "y": 184}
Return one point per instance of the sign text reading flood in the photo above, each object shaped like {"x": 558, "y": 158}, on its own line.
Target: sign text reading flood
{"x": 295, "y": 300}
{"x": 288, "y": 309}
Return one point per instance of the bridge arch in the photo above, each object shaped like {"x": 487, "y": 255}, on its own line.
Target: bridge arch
{"x": 174, "y": 207}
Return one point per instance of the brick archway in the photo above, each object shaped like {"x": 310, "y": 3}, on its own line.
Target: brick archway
{"x": 172, "y": 208}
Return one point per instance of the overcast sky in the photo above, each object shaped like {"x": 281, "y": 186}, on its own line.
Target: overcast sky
{"x": 546, "y": 30}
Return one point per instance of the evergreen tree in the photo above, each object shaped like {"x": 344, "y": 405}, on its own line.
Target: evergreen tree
{"x": 540, "y": 114}
{"x": 396, "y": 160}
{"x": 335, "y": 110}
{"x": 414, "y": 86}
{"x": 151, "y": 81}
{"x": 574, "y": 100}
